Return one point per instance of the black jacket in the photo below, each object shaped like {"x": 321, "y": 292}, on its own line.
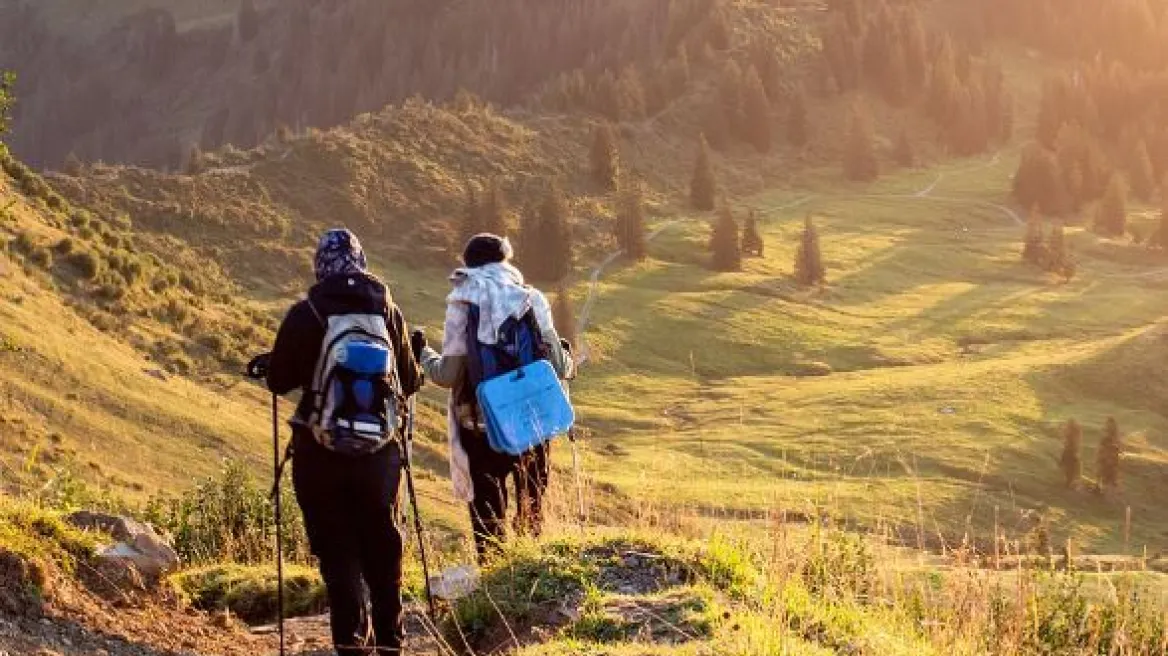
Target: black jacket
{"x": 298, "y": 341}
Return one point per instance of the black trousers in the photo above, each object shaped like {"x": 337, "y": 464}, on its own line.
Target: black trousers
{"x": 489, "y": 473}
{"x": 350, "y": 508}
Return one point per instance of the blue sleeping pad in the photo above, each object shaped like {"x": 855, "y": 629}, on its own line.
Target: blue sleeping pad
{"x": 524, "y": 408}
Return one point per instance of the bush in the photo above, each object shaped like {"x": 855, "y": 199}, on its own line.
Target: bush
{"x": 250, "y": 592}
{"x": 227, "y": 518}
{"x": 64, "y": 247}
{"x": 87, "y": 264}
{"x": 41, "y": 257}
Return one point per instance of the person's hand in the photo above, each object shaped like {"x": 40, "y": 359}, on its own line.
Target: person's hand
{"x": 418, "y": 343}
{"x": 258, "y": 367}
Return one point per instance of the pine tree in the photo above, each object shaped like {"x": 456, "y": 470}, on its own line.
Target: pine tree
{"x": 798, "y": 130}
{"x": 557, "y": 235}
{"x": 532, "y": 249}
{"x": 757, "y": 112}
{"x": 715, "y": 126}
{"x": 703, "y": 188}
{"x": 905, "y": 154}
{"x": 471, "y": 216}
{"x": 1058, "y": 256}
{"x": 630, "y": 223}
{"x": 1071, "y": 461}
{"x": 7, "y": 82}
{"x": 563, "y": 316}
{"x": 860, "y": 162}
{"x": 194, "y": 163}
{"x": 752, "y": 244}
{"x": 1037, "y": 182}
{"x": 726, "y": 255}
{"x": 809, "y": 267}
{"x": 605, "y": 159}
{"x": 1143, "y": 180}
{"x": 493, "y": 213}
{"x": 1107, "y": 459}
{"x": 73, "y": 165}
{"x": 1160, "y": 238}
{"x": 1034, "y": 247}
{"x": 248, "y": 21}
{"x": 730, "y": 91}
{"x": 1111, "y": 218}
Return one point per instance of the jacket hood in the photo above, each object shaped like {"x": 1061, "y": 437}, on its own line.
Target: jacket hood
{"x": 348, "y": 293}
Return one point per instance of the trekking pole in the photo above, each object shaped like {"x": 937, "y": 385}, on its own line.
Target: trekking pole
{"x": 580, "y": 514}
{"x": 257, "y": 370}
{"x": 406, "y": 460}
{"x": 276, "y": 471}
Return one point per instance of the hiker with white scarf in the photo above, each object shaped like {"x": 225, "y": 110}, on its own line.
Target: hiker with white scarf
{"x": 489, "y": 281}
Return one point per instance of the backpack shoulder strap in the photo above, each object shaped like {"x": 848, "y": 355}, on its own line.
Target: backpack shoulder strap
{"x": 315, "y": 312}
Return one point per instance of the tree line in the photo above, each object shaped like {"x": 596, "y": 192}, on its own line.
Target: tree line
{"x": 885, "y": 48}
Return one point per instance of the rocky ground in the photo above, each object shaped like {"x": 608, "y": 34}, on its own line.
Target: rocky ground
{"x": 159, "y": 632}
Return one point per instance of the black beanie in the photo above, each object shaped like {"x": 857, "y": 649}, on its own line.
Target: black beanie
{"x": 484, "y": 249}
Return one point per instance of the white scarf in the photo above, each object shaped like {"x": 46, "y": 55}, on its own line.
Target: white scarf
{"x": 500, "y": 293}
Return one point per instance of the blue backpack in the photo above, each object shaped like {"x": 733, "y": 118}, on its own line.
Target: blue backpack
{"x": 519, "y": 396}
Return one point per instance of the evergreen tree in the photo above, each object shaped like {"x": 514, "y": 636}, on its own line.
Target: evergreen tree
{"x": 757, "y": 112}
{"x": 896, "y": 82}
{"x": 556, "y": 232}
{"x": 563, "y": 316}
{"x": 1160, "y": 237}
{"x": 1071, "y": 461}
{"x": 194, "y": 163}
{"x": 605, "y": 159}
{"x": 716, "y": 127}
{"x": 7, "y": 82}
{"x": 905, "y": 155}
{"x": 1111, "y": 218}
{"x": 943, "y": 85}
{"x": 1037, "y": 182}
{"x": 726, "y": 255}
{"x": 1058, "y": 256}
{"x": 1108, "y": 457}
{"x": 809, "y": 266}
{"x": 532, "y": 252}
{"x": 1034, "y": 247}
{"x": 493, "y": 211}
{"x": 798, "y": 130}
{"x": 247, "y": 21}
{"x": 730, "y": 91}
{"x": 1142, "y": 175}
{"x": 703, "y": 187}
{"x": 752, "y": 244}
{"x": 860, "y": 162}
{"x": 471, "y": 217}
{"x": 630, "y": 224}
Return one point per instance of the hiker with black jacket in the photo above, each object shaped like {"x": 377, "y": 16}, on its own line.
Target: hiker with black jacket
{"x": 349, "y": 501}
{"x": 480, "y": 474}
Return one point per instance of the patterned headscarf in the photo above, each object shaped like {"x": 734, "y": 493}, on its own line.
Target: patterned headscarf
{"x": 339, "y": 252}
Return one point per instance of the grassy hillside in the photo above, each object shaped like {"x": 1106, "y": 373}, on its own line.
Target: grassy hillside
{"x": 920, "y": 392}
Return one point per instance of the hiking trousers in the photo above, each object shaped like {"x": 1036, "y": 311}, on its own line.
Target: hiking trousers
{"x": 350, "y": 508}
{"x": 489, "y": 473}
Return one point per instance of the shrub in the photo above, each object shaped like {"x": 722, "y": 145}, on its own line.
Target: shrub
{"x": 64, "y": 247}
{"x": 227, "y": 518}
{"x": 81, "y": 219}
{"x": 87, "y": 264}
{"x": 41, "y": 257}
{"x": 250, "y": 592}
